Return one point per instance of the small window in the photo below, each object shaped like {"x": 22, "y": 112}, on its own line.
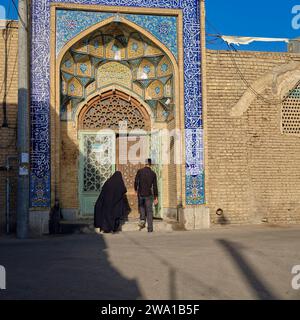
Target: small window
{"x": 290, "y": 113}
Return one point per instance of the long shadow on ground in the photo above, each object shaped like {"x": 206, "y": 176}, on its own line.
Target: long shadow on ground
{"x": 62, "y": 267}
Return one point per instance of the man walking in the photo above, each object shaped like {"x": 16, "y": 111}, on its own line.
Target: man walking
{"x": 145, "y": 185}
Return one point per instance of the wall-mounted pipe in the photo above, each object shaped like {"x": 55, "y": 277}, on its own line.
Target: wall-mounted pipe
{"x": 8, "y": 167}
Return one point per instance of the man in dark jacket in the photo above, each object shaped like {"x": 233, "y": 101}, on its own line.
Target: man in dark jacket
{"x": 145, "y": 185}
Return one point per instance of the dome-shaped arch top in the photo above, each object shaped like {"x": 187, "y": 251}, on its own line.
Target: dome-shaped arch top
{"x": 116, "y": 54}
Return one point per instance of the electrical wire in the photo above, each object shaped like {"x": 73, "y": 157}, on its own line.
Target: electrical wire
{"x": 257, "y": 94}
{"x": 231, "y": 48}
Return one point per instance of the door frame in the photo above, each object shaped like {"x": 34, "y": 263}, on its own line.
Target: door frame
{"x": 81, "y": 134}
{"x": 158, "y": 213}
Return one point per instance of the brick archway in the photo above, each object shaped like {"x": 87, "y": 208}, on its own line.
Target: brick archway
{"x": 143, "y": 102}
{"x": 105, "y": 112}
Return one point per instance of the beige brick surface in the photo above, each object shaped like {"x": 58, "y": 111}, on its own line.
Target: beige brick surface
{"x": 253, "y": 170}
{"x": 8, "y": 40}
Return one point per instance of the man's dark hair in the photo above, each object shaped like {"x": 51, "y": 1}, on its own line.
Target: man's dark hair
{"x": 149, "y": 161}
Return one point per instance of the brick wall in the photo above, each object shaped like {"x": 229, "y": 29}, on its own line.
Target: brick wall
{"x": 69, "y": 162}
{"x": 253, "y": 171}
{"x": 8, "y": 134}
{"x": 69, "y": 166}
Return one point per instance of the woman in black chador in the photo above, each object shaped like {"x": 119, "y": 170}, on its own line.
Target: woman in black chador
{"x": 110, "y": 205}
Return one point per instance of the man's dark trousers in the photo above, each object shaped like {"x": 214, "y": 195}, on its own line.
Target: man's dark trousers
{"x": 146, "y": 211}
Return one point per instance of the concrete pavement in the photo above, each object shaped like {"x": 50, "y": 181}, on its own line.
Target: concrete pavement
{"x": 225, "y": 263}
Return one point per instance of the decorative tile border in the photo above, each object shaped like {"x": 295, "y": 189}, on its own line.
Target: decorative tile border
{"x": 69, "y": 23}
{"x": 40, "y": 94}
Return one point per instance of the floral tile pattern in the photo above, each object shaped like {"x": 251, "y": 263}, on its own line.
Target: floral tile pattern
{"x": 40, "y": 188}
{"x": 69, "y": 23}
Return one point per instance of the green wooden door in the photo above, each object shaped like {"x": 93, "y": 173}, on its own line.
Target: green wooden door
{"x": 96, "y": 165}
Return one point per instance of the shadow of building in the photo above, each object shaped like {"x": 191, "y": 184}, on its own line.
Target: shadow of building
{"x": 63, "y": 267}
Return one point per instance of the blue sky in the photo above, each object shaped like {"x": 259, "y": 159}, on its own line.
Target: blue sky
{"x": 7, "y": 10}
{"x": 260, "y": 18}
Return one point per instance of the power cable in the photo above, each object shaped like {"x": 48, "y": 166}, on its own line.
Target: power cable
{"x": 257, "y": 94}
{"x": 231, "y": 48}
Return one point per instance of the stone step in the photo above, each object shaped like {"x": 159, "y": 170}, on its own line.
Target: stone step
{"x": 158, "y": 225}
{"x": 86, "y": 226}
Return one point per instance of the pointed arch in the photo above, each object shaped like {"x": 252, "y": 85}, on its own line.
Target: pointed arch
{"x": 105, "y": 111}
{"x": 105, "y": 22}
{"x": 147, "y": 111}
{"x": 168, "y": 55}
{"x": 56, "y": 93}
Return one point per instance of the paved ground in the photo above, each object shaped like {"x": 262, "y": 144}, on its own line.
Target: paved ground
{"x": 227, "y": 263}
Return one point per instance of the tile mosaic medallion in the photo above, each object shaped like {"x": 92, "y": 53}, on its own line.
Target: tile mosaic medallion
{"x": 69, "y": 24}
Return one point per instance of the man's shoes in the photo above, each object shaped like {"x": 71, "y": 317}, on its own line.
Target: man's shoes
{"x": 142, "y": 225}
{"x": 150, "y": 230}
{"x": 97, "y": 230}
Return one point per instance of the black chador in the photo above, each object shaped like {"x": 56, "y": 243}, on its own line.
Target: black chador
{"x": 110, "y": 205}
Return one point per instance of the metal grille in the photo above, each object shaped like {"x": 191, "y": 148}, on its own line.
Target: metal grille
{"x": 110, "y": 112}
{"x": 290, "y": 115}
{"x": 98, "y": 157}
{"x": 155, "y": 155}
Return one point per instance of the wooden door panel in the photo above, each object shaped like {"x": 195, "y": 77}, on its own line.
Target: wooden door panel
{"x": 128, "y": 171}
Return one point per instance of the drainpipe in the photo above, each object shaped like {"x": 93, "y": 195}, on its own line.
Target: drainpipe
{"x": 23, "y": 124}
{"x": 7, "y": 208}
{"x": 8, "y": 188}
{"x": 5, "y": 34}
{"x": 7, "y": 168}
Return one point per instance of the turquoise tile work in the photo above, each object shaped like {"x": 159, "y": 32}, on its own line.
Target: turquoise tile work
{"x": 162, "y": 27}
{"x": 69, "y": 23}
{"x": 72, "y": 23}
